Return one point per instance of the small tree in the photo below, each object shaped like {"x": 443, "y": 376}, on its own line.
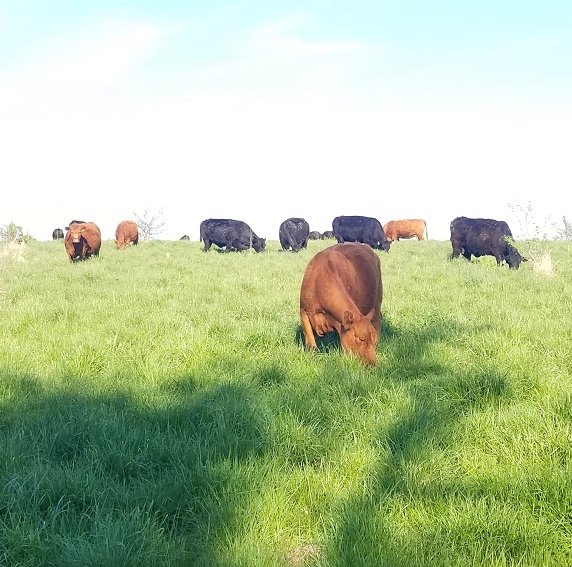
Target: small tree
{"x": 531, "y": 228}
{"x": 564, "y": 232}
{"x": 150, "y": 225}
{"x": 14, "y": 233}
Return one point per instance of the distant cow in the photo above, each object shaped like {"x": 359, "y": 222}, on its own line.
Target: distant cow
{"x": 315, "y": 235}
{"x": 407, "y": 228}
{"x": 57, "y": 234}
{"x": 484, "y": 237}
{"x": 293, "y": 234}
{"x": 185, "y": 237}
{"x": 82, "y": 240}
{"x": 341, "y": 291}
{"x": 367, "y": 230}
{"x": 229, "y": 233}
{"x": 328, "y": 234}
{"x": 126, "y": 232}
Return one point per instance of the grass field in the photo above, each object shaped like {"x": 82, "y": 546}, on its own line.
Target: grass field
{"x": 157, "y": 408}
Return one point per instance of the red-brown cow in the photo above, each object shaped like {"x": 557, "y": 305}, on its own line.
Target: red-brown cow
{"x": 407, "y": 228}
{"x": 83, "y": 239}
{"x": 126, "y": 232}
{"x": 342, "y": 291}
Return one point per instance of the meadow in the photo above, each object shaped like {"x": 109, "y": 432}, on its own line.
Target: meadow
{"x": 158, "y": 408}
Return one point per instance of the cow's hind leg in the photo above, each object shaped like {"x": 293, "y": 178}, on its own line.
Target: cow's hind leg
{"x": 307, "y": 330}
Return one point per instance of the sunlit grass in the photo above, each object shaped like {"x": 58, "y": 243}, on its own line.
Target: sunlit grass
{"x": 157, "y": 407}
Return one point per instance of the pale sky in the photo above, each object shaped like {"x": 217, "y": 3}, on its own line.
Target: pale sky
{"x": 260, "y": 111}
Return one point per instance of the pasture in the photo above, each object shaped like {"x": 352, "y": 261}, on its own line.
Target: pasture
{"x": 157, "y": 408}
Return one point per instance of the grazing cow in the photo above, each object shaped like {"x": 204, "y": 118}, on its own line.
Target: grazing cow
{"x": 293, "y": 234}
{"x": 185, "y": 237}
{"x": 126, "y": 232}
{"x": 367, "y": 230}
{"x": 342, "y": 291}
{"x": 229, "y": 233}
{"x": 328, "y": 234}
{"x": 82, "y": 240}
{"x": 407, "y": 228}
{"x": 57, "y": 234}
{"x": 315, "y": 235}
{"x": 484, "y": 237}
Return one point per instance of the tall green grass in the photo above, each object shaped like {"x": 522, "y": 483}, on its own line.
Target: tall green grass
{"x": 158, "y": 408}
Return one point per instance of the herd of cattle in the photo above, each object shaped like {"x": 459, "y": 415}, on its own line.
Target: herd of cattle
{"x": 341, "y": 289}
{"x": 469, "y": 236}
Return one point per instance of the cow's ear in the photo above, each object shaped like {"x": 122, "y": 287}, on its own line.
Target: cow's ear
{"x": 67, "y": 227}
{"x": 347, "y": 320}
{"x": 370, "y": 315}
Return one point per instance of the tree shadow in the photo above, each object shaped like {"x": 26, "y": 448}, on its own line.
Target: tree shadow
{"x": 111, "y": 479}
{"x": 364, "y": 532}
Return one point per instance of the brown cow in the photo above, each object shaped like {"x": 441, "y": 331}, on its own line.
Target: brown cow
{"x": 126, "y": 232}
{"x": 407, "y": 228}
{"x": 83, "y": 239}
{"x": 342, "y": 291}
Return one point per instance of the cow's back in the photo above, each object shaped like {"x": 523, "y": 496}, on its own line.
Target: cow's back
{"x": 89, "y": 241}
{"x": 294, "y": 233}
{"x": 406, "y": 228}
{"x": 230, "y": 233}
{"x": 127, "y": 231}
{"x": 341, "y": 291}
{"x": 350, "y": 269}
{"x": 367, "y": 230}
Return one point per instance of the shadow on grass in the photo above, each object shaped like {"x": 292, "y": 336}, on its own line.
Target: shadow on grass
{"x": 367, "y": 529}
{"x": 111, "y": 480}
{"x": 331, "y": 341}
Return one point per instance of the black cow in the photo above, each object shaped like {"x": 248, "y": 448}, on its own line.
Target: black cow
{"x": 293, "y": 234}
{"x": 367, "y": 230}
{"x": 185, "y": 237}
{"x": 229, "y": 233}
{"x": 484, "y": 237}
{"x": 328, "y": 234}
{"x": 315, "y": 235}
{"x": 57, "y": 234}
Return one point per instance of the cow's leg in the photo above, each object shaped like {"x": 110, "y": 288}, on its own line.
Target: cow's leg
{"x": 208, "y": 244}
{"x": 307, "y": 330}
{"x": 466, "y": 255}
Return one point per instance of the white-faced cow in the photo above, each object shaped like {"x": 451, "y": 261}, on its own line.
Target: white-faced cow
{"x": 367, "y": 230}
{"x": 126, "y": 232}
{"x": 293, "y": 234}
{"x": 82, "y": 240}
{"x": 484, "y": 237}
{"x": 406, "y": 228}
{"x": 230, "y": 234}
{"x": 341, "y": 291}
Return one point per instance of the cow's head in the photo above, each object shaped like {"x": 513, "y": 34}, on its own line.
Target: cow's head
{"x": 359, "y": 336}
{"x": 513, "y": 258}
{"x": 75, "y": 231}
{"x": 259, "y": 244}
{"x": 383, "y": 245}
